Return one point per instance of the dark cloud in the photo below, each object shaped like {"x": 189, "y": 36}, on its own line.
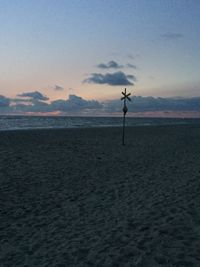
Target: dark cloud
{"x": 114, "y": 79}
{"x": 34, "y": 96}
{"x": 172, "y": 35}
{"x": 36, "y": 106}
{"x": 131, "y": 56}
{"x": 114, "y": 65}
{"x": 21, "y": 100}
{"x": 4, "y": 101}
{"x": 110, "y": 65}
{"x": 22, "y": 105}
{"x": 58, "y": 88}
{"x": 74, "y": 104}
{"x": 131, "y": 66}
{"x": 144, "y": 104}
{"x": 131, "y": 77}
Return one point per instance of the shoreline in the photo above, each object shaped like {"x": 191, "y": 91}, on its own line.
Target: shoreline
{"x": 32, "y": 123}
{"x": 100, "y": 127}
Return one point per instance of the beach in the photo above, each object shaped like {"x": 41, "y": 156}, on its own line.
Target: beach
{"x": 77, "y": 197}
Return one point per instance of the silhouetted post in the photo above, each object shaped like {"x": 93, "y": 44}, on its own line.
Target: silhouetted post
{"x": 125, "y": 109}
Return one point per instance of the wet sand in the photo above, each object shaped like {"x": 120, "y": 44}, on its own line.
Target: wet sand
{"x": 77, "y": 197}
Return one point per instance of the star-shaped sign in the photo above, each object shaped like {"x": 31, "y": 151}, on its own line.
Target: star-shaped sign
{"x": 126, "y": 96}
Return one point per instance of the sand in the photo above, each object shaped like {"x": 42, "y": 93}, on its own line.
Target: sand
{"x": 77, "y": 197}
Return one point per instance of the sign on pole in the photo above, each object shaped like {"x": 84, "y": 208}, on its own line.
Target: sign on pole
{"x": 125, "y": 109}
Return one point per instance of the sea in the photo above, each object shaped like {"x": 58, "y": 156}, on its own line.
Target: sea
{"x": 51, "y": 122}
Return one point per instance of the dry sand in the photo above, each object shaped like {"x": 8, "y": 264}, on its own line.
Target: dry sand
{"x": 79, "y": 198}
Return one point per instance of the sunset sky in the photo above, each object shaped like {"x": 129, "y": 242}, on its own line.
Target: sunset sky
{"x": 95, "y": 48}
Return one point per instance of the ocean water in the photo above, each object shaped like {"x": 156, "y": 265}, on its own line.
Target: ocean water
{"x": 41, "y": 122}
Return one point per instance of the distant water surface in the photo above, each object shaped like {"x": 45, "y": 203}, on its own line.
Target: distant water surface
{"x": 41, "y": 122}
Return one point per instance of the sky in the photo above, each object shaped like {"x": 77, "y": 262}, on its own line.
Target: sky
{"x": 95, "y": 48}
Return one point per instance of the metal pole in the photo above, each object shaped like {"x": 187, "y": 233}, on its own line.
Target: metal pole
{"x": 123, "y": 130}
{"x": 125, "y": 109}
{"x": 123, "y": 135}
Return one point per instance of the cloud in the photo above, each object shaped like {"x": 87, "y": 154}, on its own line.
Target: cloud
{"x": 75, "y": 103}
{"x": 21, "y": 100}
{"x": 58, "y": 88}
{"x": 131, "y": 66}
{"x": 131, "y": 56}
{"x": 113, "y": 79}
{"x": 71, "y": 105}
{"x": 171, "y": 35}
{"x": 144, "y": 104}
{"x": 36, "y": 106}
{"x": 110, "y": 65}
{"x": 114, "y": 65}
{"x": 37, "y": 96}
{"x": 131, "y": 77}
{"x": 4, "y": 101}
